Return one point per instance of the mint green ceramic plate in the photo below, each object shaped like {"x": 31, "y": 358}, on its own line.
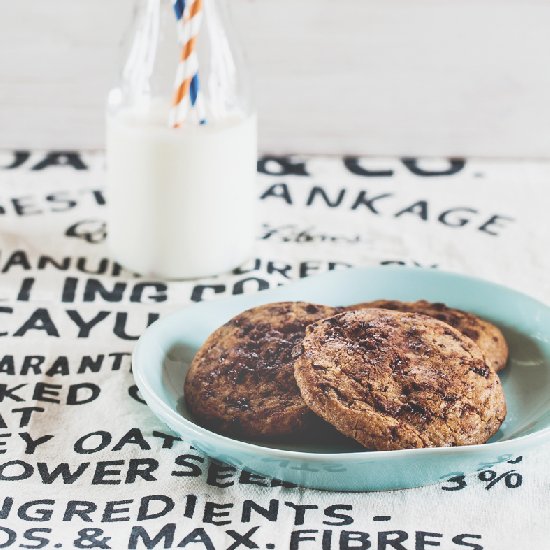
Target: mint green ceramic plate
{"x": 165, "y": 350}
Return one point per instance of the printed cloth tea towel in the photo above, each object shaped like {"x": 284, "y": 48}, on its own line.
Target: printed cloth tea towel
{"x": 85, "y": 464}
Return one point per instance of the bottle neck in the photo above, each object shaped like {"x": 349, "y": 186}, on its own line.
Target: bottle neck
{"x": 159, "y": 60}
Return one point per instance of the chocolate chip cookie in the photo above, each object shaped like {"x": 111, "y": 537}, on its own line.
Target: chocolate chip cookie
{"x": 393, "y": 380}
{"x": 241, "y": 382}
{"x": 487, "y": 336}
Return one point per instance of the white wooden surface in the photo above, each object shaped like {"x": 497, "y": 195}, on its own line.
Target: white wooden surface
{"x": 422, "y": 77}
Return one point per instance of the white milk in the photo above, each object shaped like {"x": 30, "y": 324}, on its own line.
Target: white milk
{"x": 180, "y": 202}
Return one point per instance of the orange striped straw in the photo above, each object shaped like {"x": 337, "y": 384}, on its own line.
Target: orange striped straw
{"x": 187, "y": 94}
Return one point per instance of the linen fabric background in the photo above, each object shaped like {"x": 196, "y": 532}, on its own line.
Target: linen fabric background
{"x": 85, "y": 464}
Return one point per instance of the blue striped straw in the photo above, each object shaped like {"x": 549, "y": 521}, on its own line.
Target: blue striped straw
{"x": 187, "y": 95}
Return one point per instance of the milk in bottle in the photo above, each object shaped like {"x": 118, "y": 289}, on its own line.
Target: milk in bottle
{"x": 181, "y": 175}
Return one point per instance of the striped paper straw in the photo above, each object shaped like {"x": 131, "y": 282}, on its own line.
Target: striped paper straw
{"x": 187, "y": 93}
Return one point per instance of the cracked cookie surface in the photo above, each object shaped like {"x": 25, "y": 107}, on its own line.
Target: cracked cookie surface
{"x": 394, "y": 380}
{"x": 241, "y": 381}
{"x": 487, "y": 336}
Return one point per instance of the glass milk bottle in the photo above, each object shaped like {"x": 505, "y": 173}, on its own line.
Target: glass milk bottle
{"x": 181, "y": 145}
